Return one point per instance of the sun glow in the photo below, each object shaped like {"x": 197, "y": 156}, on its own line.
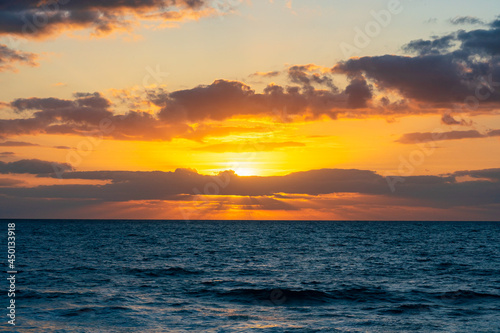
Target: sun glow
{"x": 245, "y": 172}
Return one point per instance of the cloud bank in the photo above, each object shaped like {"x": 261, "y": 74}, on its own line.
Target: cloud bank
{"x": 285, "y": 193}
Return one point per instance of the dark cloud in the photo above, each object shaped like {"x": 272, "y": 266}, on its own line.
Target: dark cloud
{"x": 448, "y": 119}
{"x": 431, "y": 78}
{"x": 434, "y": 46}
{"x": 41, "y": 18}
{"x": 470, "y": 43}
{"x": 7, "y": 154}
{"x": 9, "y": 57}
{"x": 163, "y": 185}
{"x": 87, "y": 115}
{"x": 484, "y": 42}
{"x": 223, "y": 99}
{"x": 417, "y": 137}
{"x": 450, "y": 69}
{"x": 461, "y": 20}
{"x": 493, "y": 174}
{"x": 265, "y": 74}
{"x": 6, "y": 182}
{"x": 33, "y": 166}
{"x": 22, "y": 104}
{"x": 181, "y": 112}
{"x": 358, "y": 92}
{"x": 436, "y": 78}
{"x": 17, "y": 144}
{"x": 306, "y": 76}
{"x": 493, "y": 133}
{"x": 424, "y": 191}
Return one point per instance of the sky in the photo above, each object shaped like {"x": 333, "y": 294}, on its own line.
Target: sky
{"x": 240, "y": 109}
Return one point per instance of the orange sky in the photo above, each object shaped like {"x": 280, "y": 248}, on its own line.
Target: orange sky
{"x": 142, "y": 114}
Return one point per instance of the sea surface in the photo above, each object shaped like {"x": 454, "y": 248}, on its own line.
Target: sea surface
{"x": 260, "y": 276}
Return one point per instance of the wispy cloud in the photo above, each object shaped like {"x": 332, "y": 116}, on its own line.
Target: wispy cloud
{"x": 410, "y": 138}
{"x": 9, "y": 58}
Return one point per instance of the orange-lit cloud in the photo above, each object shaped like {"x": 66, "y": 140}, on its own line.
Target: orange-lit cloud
{"x": 10, "y": 57}
{"x": 329, "y": 193}
{"x": 45, "y": 18}
{"x": 265, "y": 74}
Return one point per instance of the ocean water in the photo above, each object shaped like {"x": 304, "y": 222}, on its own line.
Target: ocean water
{"x": 261, "y": 276}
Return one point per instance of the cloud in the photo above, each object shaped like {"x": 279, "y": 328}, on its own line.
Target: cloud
{"x": 325, "y": 190}
{"x": 494, "y": 133}
{"x": 17, "y": 144}
{"x": 6, "y": 154}
{"x": 410, "y": 138}
{"x": 10, "y": 57}
{"x": 492, "y": 174}
{"x": 224, "y": 99}
{"x": 7, "y": 182}
{"x": 431, "y": 78}
{"x": 469, "y": 43}
{"x": 417, "y": 137}
{"x": 86, "y": 115}
{"x": 461, "y": 20}
{"x": 359, "y": 92}
{"x": 306, "y": 76}
{"x": 126, "y": 185}
{"x": 447, "y": 70}
{"x": 32, "y": 18}
{"x": 426, "y": 191}
{"x": 181, "y": 112}
{"x": 448, "y": 119}
{"x": 33, "y": 166}
{"x": 434, "y": 46}
{"x": 265, "y": 74}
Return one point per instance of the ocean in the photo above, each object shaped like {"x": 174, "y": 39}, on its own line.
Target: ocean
{"x": 254, "y": 276}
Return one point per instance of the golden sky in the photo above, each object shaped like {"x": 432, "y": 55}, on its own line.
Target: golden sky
{"x": 232, "y": 109}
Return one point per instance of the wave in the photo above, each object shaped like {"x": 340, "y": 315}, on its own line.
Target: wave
{"x": 32, "y": 294}
{"x": 466, "y": 295}
{"x": 92, "y": 311}
{"x": 161, "y": 272}
{"x": 288, "y": 296}
{"x": 303, "y": 296}
{"x": 408, "y": 309}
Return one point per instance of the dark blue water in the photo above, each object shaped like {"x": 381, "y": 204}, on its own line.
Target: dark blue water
{"x": 143, "y": 276}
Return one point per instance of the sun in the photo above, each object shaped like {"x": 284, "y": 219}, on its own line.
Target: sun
{"x": 245, "y": 172}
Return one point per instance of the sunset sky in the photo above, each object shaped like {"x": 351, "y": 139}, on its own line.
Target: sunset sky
{"x": 247, "y": 109}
